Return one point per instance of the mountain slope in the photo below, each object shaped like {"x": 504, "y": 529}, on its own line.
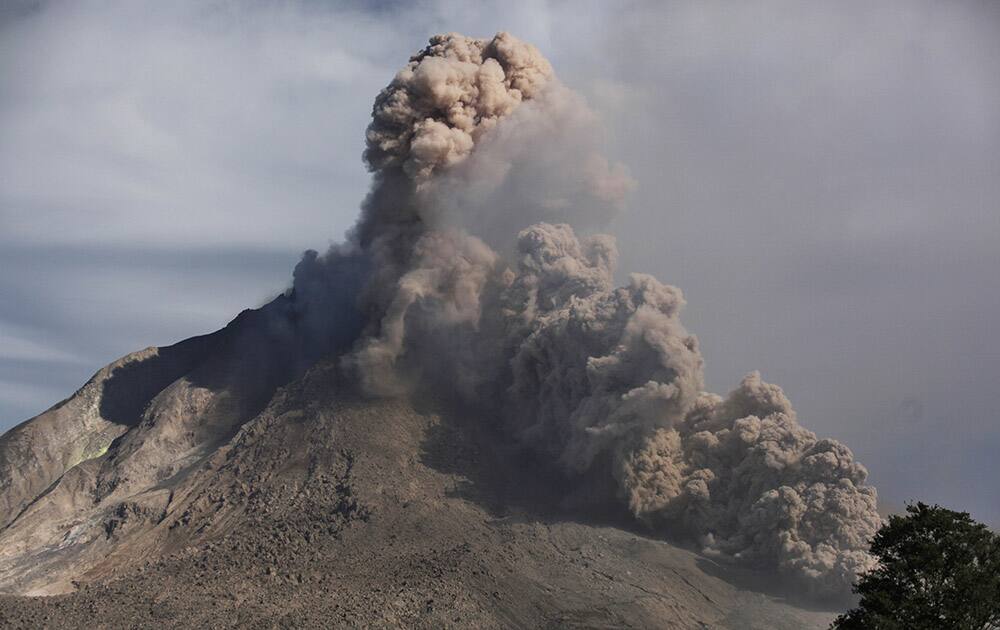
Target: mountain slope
{"x": 318, "y": 508}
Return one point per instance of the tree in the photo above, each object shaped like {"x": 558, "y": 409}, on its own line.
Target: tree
{"x": 936, "y": 569}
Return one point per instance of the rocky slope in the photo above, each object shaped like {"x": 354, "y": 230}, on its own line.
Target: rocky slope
{"x": 189, "y": 484}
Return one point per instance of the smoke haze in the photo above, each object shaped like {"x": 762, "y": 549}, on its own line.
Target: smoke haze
{"x": 602, "y": 380}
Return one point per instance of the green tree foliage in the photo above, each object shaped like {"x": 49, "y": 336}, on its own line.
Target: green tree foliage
{"x": 938, "y": 569}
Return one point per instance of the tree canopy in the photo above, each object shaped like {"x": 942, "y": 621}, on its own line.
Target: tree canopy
{"x": 937, "y": 569}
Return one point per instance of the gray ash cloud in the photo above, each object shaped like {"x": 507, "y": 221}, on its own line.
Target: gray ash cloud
{"x": 476, "y": 263}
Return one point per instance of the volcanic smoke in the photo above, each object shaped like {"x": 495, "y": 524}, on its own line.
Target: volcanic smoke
{"x": 475, "y": 269}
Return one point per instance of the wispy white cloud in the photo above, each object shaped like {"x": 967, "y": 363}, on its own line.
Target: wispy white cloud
{"x": 19, "y": 344}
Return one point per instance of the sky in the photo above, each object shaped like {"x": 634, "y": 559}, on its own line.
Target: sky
{"x": 821, "y": 179}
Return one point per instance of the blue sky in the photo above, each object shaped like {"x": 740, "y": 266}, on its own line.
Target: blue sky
{"x": 822, "y": 180}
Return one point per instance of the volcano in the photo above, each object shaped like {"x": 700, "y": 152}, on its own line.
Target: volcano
{"x": 454, "y": 418}
{"x": 179, "y": 486}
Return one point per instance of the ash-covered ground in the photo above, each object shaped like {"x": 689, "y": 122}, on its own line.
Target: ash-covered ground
{"x": 322, "y": 512}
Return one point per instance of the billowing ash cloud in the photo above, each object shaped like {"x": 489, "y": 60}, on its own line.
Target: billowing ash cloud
{"x": 447, "y": 97}
{"x": 464, "y": 274}
{"x": 743, "y": 476}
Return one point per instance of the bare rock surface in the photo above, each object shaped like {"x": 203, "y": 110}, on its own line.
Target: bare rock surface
{"x": 193, "y": 504}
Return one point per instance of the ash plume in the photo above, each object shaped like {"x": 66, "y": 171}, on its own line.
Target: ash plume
{"x": 475, "y": 267}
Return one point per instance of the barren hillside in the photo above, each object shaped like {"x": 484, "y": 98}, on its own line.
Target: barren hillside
{"x": 324, "y": 509}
